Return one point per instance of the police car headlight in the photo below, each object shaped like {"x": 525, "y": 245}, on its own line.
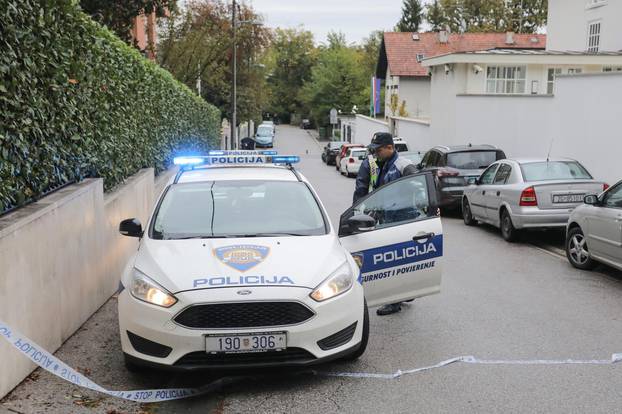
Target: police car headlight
{"x": 337, "y": 283}
{"x": 149, "y": 291}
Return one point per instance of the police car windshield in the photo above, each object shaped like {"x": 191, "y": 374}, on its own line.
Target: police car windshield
{"x": 250, "y": 208}
{"x": 264, "y": 131}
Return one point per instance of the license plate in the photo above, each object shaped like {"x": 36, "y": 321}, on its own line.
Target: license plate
{"x": 235, "y": 343}
{"x": 568, "y": 198}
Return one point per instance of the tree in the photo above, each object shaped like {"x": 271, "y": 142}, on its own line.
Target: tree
{"x": 336, "y": 40}
{"x": 412, "y": 15}
{"x": 522, "y": 16}
{"x": 196, "y": 44}
{"x": 118, "y": 15}
{"x": 291, "y": 57}
{"x": 370, "y": 49}
{"x": 435, "y": 17}
{"x": 338, "y": 80}
{"x": 526, "y": 16}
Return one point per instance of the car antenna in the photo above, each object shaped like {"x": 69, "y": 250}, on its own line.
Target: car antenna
{"x": 548, "y": 155}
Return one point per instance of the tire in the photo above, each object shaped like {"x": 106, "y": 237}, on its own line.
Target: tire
{"x": 467, "y": 215}
{"x": 578, "y": 258}
{"x": 508, "y": 231}
{"x": 324, "y": 158}
{"x": 363, "y": 344}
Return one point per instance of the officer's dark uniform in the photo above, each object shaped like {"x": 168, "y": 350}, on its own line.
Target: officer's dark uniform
{"x": 390, "y": 170}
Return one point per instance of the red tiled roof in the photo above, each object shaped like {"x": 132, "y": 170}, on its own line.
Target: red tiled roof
{"x": 402, "y": 50}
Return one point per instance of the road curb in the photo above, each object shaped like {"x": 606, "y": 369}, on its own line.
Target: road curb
{"x": 315, "y": 139}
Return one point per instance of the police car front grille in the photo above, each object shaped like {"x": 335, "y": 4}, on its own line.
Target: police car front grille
{"x": 289, "y": 356}
{"x": 243, "y": 315}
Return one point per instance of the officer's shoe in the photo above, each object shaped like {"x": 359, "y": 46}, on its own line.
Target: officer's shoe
{"x": 389, "y": 309}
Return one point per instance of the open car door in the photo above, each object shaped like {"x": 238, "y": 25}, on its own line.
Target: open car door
{"x": 396, "y": 236}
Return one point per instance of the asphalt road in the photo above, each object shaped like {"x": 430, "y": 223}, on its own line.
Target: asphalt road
{"x": 498, "y": 301}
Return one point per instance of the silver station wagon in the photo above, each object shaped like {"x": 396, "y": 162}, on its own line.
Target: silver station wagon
{"x": 516, "y": 194}
{"x": 594, "y": 231}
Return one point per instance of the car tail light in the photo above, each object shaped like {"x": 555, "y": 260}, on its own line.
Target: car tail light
{"x": 447, "y": 172}
{"x": 605, "y": 186}
{"x": 528, "y": 197}
{"x": 351, "y": 160}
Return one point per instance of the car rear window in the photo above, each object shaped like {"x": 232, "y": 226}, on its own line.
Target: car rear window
{"x": 554, "y": 170}
{"x": 471, "y": 160}
{"x": 335, "y": 145}
{"x": 401, "y": 147}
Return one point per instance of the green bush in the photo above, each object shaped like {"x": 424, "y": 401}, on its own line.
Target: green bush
{"x": 75, "y": 102}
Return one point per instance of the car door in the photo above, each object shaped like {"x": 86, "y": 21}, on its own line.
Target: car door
{"x": 495, "y": 193}
{"x": 401, "y": 254}
{"x": 605, "y": 227}
{"x": 344, "y": 160}
{"x": 478, "y": 195}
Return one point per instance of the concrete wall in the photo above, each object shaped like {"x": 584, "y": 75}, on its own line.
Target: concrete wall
{"x": 581, "y": 120}
{"x": 521, "y": 126}
{"x": 568, "y": 21}
{"x": 415, "y": 132}
{"x": 365, "y": 128}
{"x": 62, "y": 259}
{"x": 416, "y": 92}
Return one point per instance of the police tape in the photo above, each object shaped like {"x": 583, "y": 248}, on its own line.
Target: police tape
{"x": 615, "y": 358}
{"x": 53, "y": 365}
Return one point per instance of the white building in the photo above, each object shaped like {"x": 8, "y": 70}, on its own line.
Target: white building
{"x": 513, "y": 98}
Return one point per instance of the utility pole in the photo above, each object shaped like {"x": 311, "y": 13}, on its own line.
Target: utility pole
{"x": 234, "y": 70}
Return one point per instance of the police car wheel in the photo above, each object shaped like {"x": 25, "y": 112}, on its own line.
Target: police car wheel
{"x": 363, "y": 345}
{"x": 467, "y": 215}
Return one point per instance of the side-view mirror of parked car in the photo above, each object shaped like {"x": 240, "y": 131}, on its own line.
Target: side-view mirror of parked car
{"x": 591, "y": 199}
{"x": 131, "y": 228}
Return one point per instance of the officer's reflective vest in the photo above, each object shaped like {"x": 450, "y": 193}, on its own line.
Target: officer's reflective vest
{"x": 373, "y": 172}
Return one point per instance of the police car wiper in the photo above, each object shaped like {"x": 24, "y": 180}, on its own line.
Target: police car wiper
{"x": 271, "y": 234}
{"x": 194, "y": 237}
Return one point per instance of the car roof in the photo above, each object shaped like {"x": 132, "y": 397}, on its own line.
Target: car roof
{"x": 238, "y": 172}
{"x": 462, "y": 148}
{"x": 526, "y": 160}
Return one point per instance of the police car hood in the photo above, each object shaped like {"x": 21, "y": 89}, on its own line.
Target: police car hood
{"x": 296, "y": 261}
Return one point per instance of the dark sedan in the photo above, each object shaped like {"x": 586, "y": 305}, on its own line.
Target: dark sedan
{"x": 456, "y": 167}
{"x": 330, "y": 152}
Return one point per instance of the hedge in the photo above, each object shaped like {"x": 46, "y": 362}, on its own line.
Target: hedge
{"x": 75, "y": 102}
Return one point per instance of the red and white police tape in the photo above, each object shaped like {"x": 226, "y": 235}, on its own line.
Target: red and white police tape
{"x": 50, "y": 363}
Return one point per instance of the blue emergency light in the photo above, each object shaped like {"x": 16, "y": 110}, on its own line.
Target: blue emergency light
{"x": 242, "y": 152}
{"x": 191, "y": 160}
{"x": 286, "y": 159}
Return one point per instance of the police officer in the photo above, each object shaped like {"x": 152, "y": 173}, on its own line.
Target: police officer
{"x": 382, "y": 166}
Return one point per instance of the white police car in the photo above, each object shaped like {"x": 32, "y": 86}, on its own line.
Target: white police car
{"x": 239, "y": 267}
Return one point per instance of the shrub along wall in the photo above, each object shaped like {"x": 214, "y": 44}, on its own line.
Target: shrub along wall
{"x": 76, "y": 101}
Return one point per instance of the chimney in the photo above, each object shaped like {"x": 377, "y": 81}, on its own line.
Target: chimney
{"x": 509, "y": 38}
{"x": 443, "y": 36}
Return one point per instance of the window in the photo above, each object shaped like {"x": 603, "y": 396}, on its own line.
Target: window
{"x": 398, "y": 203}
{"x": 471, "y": 160}
{"x": 503, "y": 174}
{"x": 227, "y": 208}
{"x": 550, "y": 79}
{"x": 488, "y": 175}
{"x": 593, "y": 37}
{"x": 613, "y": 198}
{"x": 505, "y": 79}
{"x": 554, "y": 170}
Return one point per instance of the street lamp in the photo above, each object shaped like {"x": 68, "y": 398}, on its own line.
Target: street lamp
{"x": 234, "y": 70}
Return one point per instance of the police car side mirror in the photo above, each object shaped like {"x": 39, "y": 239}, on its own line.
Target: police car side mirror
{"x": 420, "y": 166}
{"x": 361, "y": 223}
{"x": 131, "y": 228}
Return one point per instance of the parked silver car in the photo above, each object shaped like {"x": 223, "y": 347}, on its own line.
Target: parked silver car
{"x": 515, "y": 194}
{"x": 594, "y": 232}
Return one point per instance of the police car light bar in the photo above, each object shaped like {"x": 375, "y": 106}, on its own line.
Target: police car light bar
{"x": 243, "y": 152}
{"x": 235, "y": 158}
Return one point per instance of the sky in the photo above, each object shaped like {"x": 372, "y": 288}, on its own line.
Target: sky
{"x": 356, "y": 18}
